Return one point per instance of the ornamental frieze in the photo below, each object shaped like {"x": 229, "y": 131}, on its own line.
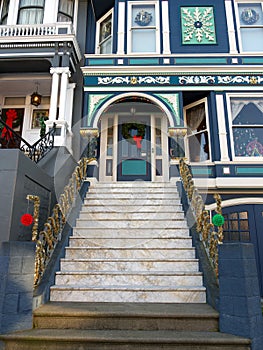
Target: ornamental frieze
{"x": 174, "y": 80}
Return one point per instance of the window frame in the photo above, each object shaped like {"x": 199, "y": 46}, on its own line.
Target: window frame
{"x": 66, "y": 14}
{"x": 231, "y": 125}
{"x": 5, "y": 14}
{"x": 186, "y": 139}
{"x": 98, "y": 27}
{"x": 240, "y": 26}
{"x": 156, "y": 27}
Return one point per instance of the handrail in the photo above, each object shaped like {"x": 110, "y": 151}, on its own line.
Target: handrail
{"x": 210, "y": 235}
{"x": 9, "y": 138}
{"x": 47, "y": 239}
{"x": 22, "y": 30}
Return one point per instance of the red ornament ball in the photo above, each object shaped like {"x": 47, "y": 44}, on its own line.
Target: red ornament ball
{"x": 26, "y": 219}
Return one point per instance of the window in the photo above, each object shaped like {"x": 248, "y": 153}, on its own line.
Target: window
{"x": 247, "y": 126}
{"x": 143, "y": 28}
{"x": 4, "y": 11}
{"x": 197, "y": 138}
{"x": 104, "y": 34}
{"x": 236, "y": 227}
{"x": 65, "y": 10}
{"x": 250, "y": 18}
{"x": 31, "y": 11}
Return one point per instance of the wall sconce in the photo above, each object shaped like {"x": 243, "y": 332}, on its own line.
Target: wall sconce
{"x": 36, "y": 98}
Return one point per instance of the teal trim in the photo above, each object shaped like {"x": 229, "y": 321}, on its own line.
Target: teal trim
{"x": 251, "y": 60}
{"x": 249, "y": 171}
{"x": 134, "y": 167}
{"x": 201, "y": 171}
{"x": 200, "y": 60}
{"x": 101, "y": 62}
{"x": 144, "y": 61}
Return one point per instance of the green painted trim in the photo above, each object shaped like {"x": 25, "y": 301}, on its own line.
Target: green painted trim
{"x": 251, "y": 60}
{"x": 172, "y": 100}
{"x": 201, "y": 171}
{"x": 101, "y": 62}
{"x": 249, "y": 171}
{"x": 144, "y": 61}
{"x": 200, "y": 60}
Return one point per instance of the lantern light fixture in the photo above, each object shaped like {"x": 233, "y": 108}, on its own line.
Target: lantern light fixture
{"x": 36, "y": 98}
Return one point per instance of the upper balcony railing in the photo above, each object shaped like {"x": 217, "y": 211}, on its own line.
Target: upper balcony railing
{"x": 36, "y": 30}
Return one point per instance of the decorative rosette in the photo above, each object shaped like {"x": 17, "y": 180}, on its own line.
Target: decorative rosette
{"x": 249, "y": 16}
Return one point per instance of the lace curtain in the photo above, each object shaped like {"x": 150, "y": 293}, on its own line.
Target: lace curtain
{"x": 238, "y": 105}
{"x": 195, "y": 117}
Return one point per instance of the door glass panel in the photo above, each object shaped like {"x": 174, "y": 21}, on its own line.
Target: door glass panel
{"x": 236, "y": 227}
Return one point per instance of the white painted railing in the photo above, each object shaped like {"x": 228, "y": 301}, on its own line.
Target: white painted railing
{"x": 36, "y": 30}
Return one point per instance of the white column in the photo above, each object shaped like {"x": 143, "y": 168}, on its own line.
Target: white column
{"x": 166, "y": 28}
{"x": 63, "y": 93}
{"x": 231, "y": 28}
{"x": 51, "y": 11}
{"x": 13, "y": 12}
{"x": 121, "y": 28}
{"x": 222, "y": 128}
{"x": 54, "y": 94}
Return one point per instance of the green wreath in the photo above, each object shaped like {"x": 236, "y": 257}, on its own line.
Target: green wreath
{"x": 126, "y": 130}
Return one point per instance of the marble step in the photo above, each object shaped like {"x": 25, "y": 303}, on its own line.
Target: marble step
{"x": 137, "y": 202}
{"x": 131, "y": 216}
{"x": 120, "y": 242}
{"x": 133, "y": 190}
{"x": 143, "y": 195}
{"x": 166, "y": 294}
{"x": 134, "y": 184}
{"x": 129, "y": 253}
{"x": 131, "y": 265}
{"x": 141, "y": 232}
{"x": 162, "y": 278}
{"x": 130, "y": 208}
{"x": 142, "y": 223}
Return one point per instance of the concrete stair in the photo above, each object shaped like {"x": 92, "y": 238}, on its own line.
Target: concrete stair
{"x": 124, "y": 326}
{"x": 131, "y": 243}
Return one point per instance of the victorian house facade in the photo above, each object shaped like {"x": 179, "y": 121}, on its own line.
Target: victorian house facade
{"x": 143, "y": 83}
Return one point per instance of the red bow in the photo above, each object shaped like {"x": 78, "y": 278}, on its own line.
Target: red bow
{"x": 11, "y": 115}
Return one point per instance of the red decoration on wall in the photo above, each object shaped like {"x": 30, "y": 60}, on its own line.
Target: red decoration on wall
{"x": 138, "y": 140}
{"x": 11, "y": 115}
{"x": 27, "y": 219}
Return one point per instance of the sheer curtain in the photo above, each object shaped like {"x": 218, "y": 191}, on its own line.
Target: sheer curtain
{"x": 65, "y": 10}
{"x": 31, "y": 11}
{"x": 4, "y": 11}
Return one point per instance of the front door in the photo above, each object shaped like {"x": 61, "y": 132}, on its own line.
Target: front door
{"x": 134, "y": 149}
{"x": 244, "y": 223}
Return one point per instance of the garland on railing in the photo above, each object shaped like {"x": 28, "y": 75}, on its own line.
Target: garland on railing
{"x": 47, "y": 239}
{"x": 209, "y": 234}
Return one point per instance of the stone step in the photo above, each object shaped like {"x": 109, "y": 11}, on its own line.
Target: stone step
{"x": 162, "y": 278}
{"x": 132, "y": 216}
{"x": 121, "y": 242}
{"x": 147, "y": 223}
{"x": 132, "y": 190}
{"x": 131, "y": 265}
{"x": 131, "y": 233}
{"x": 128, "y": 253}
{"x": 143, "y": 195}
{"x": 130, "y": 208}
{"x": 137, "y": 202}
{"x": 127, "y": 316}
{"x": 68, "y": 339}
{"x": 109, "y": 293}
{"x": 134, "y": 184}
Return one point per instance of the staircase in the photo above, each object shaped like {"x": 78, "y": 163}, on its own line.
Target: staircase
{"x": 130, "y": 244}
{"x": 129, "y": 280}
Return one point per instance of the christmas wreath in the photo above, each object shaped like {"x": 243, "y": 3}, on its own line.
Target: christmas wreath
{"x": 128, "y": 127}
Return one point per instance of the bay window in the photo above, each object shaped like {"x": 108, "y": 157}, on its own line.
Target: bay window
{"x": 250, "y": 20}
{"x": 247, "y": 126}
{"x": 197, "y": 138}
{"x": 104, "y": 34}
{"x": 143, "y": 27}
{"x": 65, "y": 10}
{"x": 31, "y": 11}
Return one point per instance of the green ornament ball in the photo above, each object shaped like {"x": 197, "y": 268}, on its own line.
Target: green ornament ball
{"x": 218, "y": 220}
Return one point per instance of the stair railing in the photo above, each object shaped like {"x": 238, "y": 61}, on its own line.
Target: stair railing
{"x": 210, "y": 235}
{"x": 9, "y": 138}
{"x": 47, "y": 239}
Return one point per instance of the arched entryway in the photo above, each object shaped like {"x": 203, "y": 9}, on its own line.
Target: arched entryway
{"x": 133, "y": 141}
